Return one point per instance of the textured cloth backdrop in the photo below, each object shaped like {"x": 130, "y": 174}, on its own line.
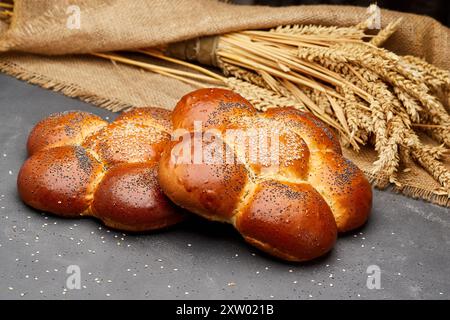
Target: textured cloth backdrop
{"x": 40, "y": 27}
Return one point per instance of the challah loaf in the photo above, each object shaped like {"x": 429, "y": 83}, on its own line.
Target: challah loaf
{"x": 80, "y": 165}
{"x": 292, "y": 209}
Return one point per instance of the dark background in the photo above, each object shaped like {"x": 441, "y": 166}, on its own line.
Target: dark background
{"x": 438, "y": 9}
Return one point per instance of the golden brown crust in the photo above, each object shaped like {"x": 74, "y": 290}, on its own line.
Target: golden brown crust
{"x": 129, "y": 198}
{"x": 135, "y": 136}
{"x": 283, "y": 209}
{"x": 63, "y": 128}
{"x": 149, "y": 116}
{"x": 344, "y": 187}
{"x": 212, "y": 107}
{"x": 317, "y": 135}
{"x": 291, "y": 220}
{"x": 211, "y": 190}
{"x": 123, "y": 142}
{"x": 75, "y": 172}
{"x": 59, "y": 180}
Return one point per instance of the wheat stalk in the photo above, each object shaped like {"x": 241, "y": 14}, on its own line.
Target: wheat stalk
{"x": 6, "y": 11}
{"x": 386, "y": 33}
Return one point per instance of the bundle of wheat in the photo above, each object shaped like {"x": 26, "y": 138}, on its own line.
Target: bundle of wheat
{"x": 370, "y": 95}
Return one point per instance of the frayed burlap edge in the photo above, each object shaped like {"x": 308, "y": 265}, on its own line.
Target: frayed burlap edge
{"x": 74, "y": 91}
{"x": 68, "y": 89}
{"x": 409, "y": 191}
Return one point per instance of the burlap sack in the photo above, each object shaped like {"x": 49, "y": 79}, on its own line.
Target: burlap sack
{"x": 41, "y": 27}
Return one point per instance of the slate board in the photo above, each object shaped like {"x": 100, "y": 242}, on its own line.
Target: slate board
{"x": 408, "y": 240}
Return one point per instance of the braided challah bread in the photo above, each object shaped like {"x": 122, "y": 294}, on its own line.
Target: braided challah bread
{"x": 81, "y": 165}
{"x": 292, "y": 208}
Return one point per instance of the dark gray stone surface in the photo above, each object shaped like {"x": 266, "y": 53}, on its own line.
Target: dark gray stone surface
{"x": 408, "y": 240}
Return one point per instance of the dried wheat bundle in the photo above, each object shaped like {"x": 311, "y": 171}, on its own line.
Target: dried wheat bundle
{"x": 368, "y": 94}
